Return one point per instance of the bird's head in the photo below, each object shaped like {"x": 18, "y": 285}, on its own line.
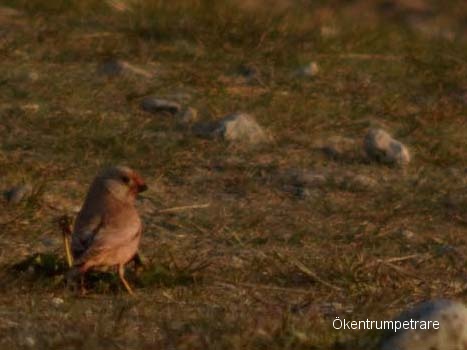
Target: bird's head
{"x": 123, "y": 183}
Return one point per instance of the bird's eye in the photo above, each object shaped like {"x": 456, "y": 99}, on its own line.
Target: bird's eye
{"x": 125, "y": 179}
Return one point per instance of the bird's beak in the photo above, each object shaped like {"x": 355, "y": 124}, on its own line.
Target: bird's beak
{"x": 142, "y": 187}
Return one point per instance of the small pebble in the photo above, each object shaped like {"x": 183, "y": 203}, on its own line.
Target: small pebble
{"x": 17, "y": 194}
{"x": 309, "y": 70}
{"x": 380, "y": 146}
{"x": 159, "y": 105}
{"x": 329, "y": 32}
{"x": 30, "y": 342}
{"x": 114, "y": 67}
{"x": 311, "y": 178}
{"x": 30, "y": 107}
{"x": 188, "y": 116}
{"x": 241, "y": 128}
{"x": 407, "y": 234}
{"x": 237, "y": 128}
{"x": 56, "y": 301}
{"x": 338, "y": 147}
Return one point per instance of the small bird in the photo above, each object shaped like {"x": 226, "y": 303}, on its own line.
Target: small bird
{"x": 107, "y": 230}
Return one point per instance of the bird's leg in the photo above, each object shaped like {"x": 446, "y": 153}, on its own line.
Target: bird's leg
{"x": 69, "y": 256}
{"x": 121, "y": 274}
{"x": 65, "y": 225}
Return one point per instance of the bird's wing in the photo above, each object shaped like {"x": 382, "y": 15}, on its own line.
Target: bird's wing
{"x": 109, "y": 237}
{"x": 85, "y": 230}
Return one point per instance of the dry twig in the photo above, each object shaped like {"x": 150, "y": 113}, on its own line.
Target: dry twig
{"x": 184, "y": 207}
{"x": 307, "y": 271}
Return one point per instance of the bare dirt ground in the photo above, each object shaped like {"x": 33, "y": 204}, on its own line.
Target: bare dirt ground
{"x": 265, "y": 258}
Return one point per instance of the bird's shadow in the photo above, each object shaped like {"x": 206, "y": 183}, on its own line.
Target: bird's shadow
{"x": 49, "y": 271}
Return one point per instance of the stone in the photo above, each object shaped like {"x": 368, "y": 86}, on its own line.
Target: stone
{"x": 180, "y": 97}
{"x": 32, "y": 76}
{"x": 10, "y": 18}
{"x": 9, "y": 12}
{"x": 451, "y": 335}
{"x": 310, "y": 178}
{"x": 380, "y": 146}
{"x": 30, "y": 107}
{"x": 407, "y": 234}
{"x": 114, "y": 67}
{"x": 248, "y": 71}
{"x": 309, "y": 70}
{"x": 16, "y": 194}
{"x": 188, "y": 116}
{"x": 430, "y": 28}
{"x": 30, "y": 342}
{"x": 118, "y": 5}
{"x": 249, "y": 75}
{"x": 24, "y": 76}
{"x": 159, "y": 105}
{"x": 240, "y": 128}
{"x": 416, "y": 5}
{"x": 162, "y": 136}
{"x": 329, "y": 31}
{"x": 303, "y": 183}
{"x": 205, "y": 129}
{"x": 56, "y": 301}
{"x": 338, "y": 147}
{"x": 351, "y": 181}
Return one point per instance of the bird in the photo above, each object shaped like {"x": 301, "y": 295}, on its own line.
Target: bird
{"x": 108, "y": 228}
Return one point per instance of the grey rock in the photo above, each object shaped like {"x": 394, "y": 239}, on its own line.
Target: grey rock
{"x": 205, "y": 129}
{"x": 240, "y": 128}
{"x": 9, "y": 12}
{"x": 188, "y": 48}
{"x": 30, "y": 342}
{"x": 163, "y": 136}
{"x": 188, "y": 116}
{"x": 16, "y": 194}
{"x": 309, "y": 70}
{"x": 158, "y": 105}
{"x": 57, "y": 301}
{"x": 248, "y": 71}
{"x": 303, "y": 183}
{"x": 352, "y": 181}
{"x": 24, "y": 76}
{"x": 431, "y": 28}
{"x": 411, "y": 6}
{"x": 250, "y": 74}
{"x": 48, "y": 242}
{"x": 30, "y": 107}
{"x": 338, "y": 147}
{"x": 180, "y": 97}
{"x": 329, "y": 32}
{"x": 451, "y": 335}
{"x": 114, "y": 67}
{"x": 309, "y": 178}
{"x": 379, "y": 145}
{"x": 32, "y": 76}
{"x": 345, "y": 179}
{"x": 118, "y": 5}
{"x": 407, "y": 234}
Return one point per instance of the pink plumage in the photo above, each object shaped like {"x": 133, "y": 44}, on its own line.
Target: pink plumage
{"x": 108, "y": 228}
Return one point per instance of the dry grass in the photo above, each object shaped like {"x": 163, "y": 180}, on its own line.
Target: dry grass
{"x": 269, "y": 263}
